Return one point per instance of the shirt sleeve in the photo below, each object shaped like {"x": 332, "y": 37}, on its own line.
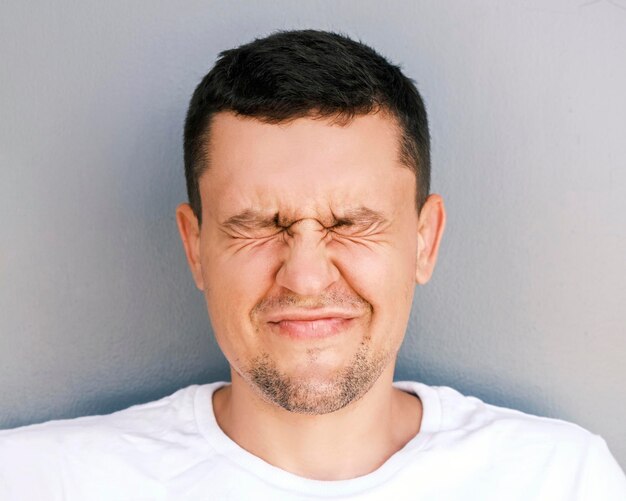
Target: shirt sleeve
{"x": 602, "y": 477}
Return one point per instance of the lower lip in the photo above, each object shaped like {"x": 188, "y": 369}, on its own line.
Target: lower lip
{"x": 311, "y": 329}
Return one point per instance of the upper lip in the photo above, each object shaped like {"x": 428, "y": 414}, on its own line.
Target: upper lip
{"x": 304, "y": 315}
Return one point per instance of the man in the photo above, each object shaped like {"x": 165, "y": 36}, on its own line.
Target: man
{"x": 309, "y": 222}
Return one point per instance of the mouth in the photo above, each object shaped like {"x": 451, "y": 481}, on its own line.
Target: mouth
{"x": 310, "y": 325}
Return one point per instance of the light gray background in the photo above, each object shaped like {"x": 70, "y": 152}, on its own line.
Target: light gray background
{"x": 527, "y": 101}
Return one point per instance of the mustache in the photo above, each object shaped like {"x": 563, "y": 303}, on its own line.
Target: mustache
{"x": 338, "y": 299}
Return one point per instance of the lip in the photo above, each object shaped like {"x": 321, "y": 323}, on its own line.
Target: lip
{"x": 297, "y": 315}
{"x": 310, "y": 324}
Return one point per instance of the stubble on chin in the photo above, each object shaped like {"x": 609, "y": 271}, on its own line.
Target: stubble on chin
{"x": 315, "y": 396}
{"x": 310, "y": 397}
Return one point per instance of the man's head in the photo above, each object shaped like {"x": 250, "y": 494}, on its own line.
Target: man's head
{"x": 294, "y": 74}
{"x": 309, "y": 223}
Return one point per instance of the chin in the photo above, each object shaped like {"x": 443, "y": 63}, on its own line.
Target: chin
{"x": 311, "y": 391}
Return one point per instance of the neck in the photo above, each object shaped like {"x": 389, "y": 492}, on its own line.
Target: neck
{"x": 348, "y": 443}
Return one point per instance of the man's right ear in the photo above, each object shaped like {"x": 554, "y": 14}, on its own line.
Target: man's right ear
{"x": 190, "y": 235}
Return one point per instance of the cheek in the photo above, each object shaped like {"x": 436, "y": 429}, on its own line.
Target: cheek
{"x": 237, "y": 279}
{"x": 384, "y": 276}
{"x": 241, "y": 267}
{"x": 377, "y": 267}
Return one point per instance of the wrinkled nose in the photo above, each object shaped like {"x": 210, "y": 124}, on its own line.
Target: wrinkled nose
{"x": 307, "y": 269}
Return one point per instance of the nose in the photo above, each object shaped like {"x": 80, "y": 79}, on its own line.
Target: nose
{"x": 307, "y": 270}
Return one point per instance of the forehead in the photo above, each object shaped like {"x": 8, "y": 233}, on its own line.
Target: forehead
{"x": 307, "y": 165}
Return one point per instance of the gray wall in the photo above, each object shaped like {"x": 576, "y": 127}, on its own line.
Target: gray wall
{"x": 528, "y": 107}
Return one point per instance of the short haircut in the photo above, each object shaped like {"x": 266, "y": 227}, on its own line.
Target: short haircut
{"x": 300, "y": 73}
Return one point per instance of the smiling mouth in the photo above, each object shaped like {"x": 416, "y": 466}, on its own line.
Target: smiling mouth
{"x": 311, "y": 328}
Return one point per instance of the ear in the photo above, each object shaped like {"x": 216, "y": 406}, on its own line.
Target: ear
{"x": 190, "y": 235}
{"x": 432, "y": 221}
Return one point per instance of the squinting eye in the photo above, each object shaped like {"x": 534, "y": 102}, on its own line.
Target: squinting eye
{"x": 354, "y": 228}
{"x": 268, "y": 233}
{"x": 257, "y": 234}
{"x": 342, "y": 224}
{"x": 345, "y": 227}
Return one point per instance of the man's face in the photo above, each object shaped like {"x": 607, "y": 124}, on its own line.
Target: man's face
{"x": 307, "y": 254}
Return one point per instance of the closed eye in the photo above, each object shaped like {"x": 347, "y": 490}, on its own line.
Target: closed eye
{"x": 343, "y": 224}
{"x": 361, "y": 221}
{"x": 352, "y": 227}
{"x": 253, "y": 233}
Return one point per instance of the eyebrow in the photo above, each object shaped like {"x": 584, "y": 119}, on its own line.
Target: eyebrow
{"x": 253, "y": 219}
{"x": 250, "y": 218}
{"x": 361, "y": 215}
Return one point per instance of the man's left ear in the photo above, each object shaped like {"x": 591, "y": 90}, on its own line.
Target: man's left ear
{"x": 432, "y": 221}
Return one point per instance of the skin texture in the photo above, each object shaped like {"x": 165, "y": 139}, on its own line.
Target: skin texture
{"x": 318, "y": 219}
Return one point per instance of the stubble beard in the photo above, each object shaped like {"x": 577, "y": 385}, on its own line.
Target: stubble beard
{"x": 316, "y": 397}
{"x": 319, "y": 395}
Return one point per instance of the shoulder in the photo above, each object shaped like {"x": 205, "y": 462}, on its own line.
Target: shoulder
{"x": 446, "y": 410}
{"x": 141, "y": 418}
{"x": 127, "y": 449}
{"x": 538, "y": 456}
{"x": 509, "y": 443}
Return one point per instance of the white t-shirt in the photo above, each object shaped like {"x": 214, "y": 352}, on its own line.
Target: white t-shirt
{"x": 173, "y": 449}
